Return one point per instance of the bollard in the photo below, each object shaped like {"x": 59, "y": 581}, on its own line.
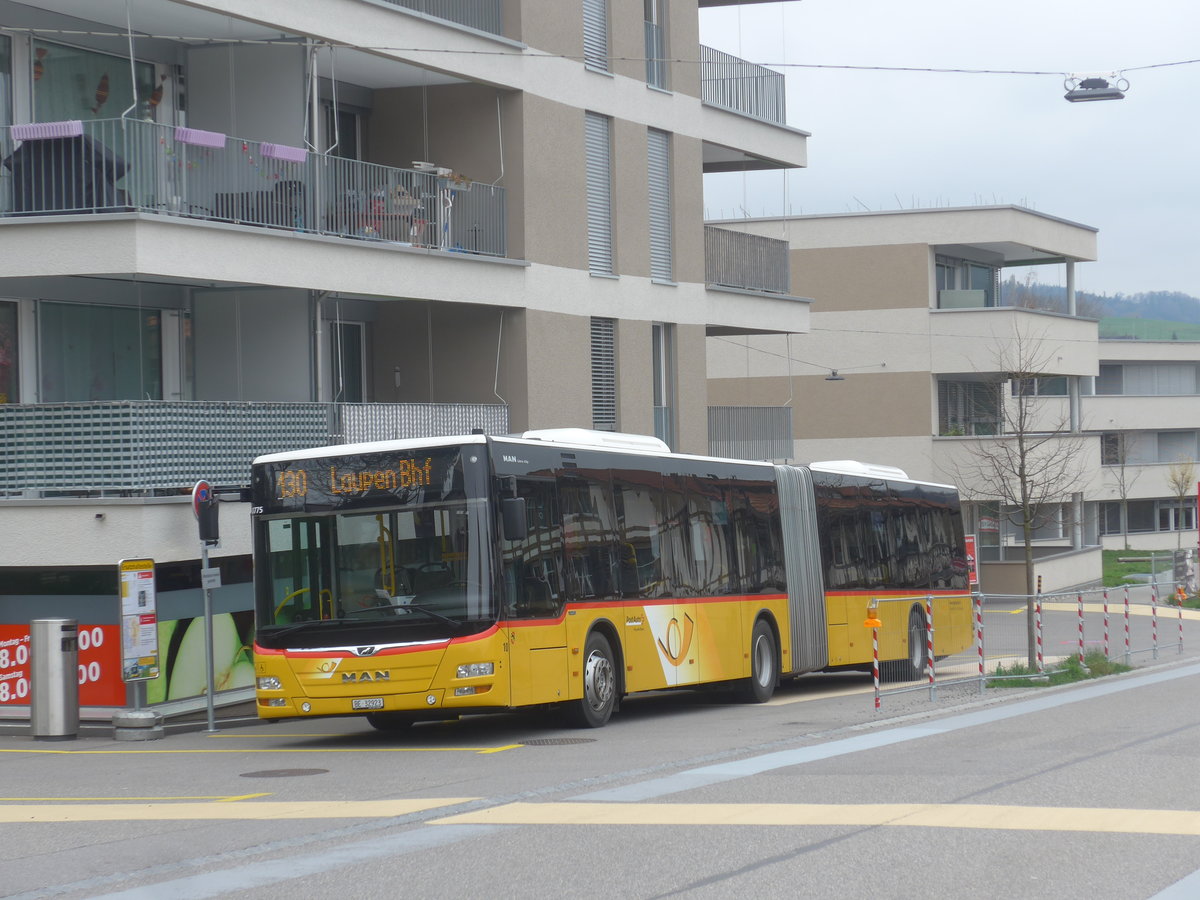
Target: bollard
{"x": 54, "y": 679}
{"x": 137, "y": 725}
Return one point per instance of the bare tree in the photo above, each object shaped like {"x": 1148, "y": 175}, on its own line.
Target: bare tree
{"x": 1034, "y": 463}
{"x": 1117, "y": 448}
{"x": 1181, "y": 478}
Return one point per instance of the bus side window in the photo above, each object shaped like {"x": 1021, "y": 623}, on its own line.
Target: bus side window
{"x": 589, "y": 533}
{"x": 533, "y": 566}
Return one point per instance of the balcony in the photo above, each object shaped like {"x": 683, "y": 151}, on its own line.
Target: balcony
{"x": 126, "y": 165}
{"x": 748, "y": 262}
{"x": 483, "y": 15}
{"x": 136, "y": 446}
{"x": 742, "y": 87}
{"x": 750, "y": 432}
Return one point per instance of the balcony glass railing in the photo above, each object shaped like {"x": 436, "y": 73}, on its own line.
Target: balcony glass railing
{"x": 484, "y": 15}
{"x": 143, "y": 445}
{"x": 119, "y": 165}
{"x": 742, "y": 87}
{"x": 750, "y": 262}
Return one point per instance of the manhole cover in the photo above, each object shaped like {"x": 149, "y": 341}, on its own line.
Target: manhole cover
{"x": 557, "y": 742}
{"x": 283, "y": 773}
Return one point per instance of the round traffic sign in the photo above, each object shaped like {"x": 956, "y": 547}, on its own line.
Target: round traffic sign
{"x": 202, "y": 495}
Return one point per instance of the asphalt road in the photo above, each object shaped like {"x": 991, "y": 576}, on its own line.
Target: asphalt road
{"x": 1084, "y": 791}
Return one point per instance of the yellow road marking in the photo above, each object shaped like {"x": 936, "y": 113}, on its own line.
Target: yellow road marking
{"x": 268, "y": 809}
{"x": 129, "y": 799}
{"x": 480, "y": 750}
{"x": 1006, "y": 818}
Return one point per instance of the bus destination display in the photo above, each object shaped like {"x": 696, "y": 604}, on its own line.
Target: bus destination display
{"x": 355, "y": 481}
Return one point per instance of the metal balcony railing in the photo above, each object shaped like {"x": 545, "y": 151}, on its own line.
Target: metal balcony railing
{"x": 125, "y": 165}
{"x": 747, "y": 261}
{"x": 484, "y": 15}
{"x": 750, "y": 432}
{"x": 139, "y": 446}
{"x": 742, "y": 87}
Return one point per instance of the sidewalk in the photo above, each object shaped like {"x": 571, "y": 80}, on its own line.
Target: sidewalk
{"x": 240, "y": 714}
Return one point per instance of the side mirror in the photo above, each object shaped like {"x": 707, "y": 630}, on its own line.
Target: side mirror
{"x": 512, "y": 514}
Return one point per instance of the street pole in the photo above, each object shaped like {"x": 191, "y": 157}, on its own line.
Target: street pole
{"x": 210, "y": 685}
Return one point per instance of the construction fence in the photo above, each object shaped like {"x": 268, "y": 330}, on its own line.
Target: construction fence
{"x": 1022, "y": 636}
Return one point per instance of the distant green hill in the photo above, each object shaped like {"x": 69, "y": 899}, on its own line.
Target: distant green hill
{"x": 1148, "y": 329}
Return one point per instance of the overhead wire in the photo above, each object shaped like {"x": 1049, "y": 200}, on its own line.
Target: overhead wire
{"x": 526, "y": 53}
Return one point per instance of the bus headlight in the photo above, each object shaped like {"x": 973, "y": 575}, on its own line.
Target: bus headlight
{"x": 474, "y": 670}
{"x": 268, "y": 683}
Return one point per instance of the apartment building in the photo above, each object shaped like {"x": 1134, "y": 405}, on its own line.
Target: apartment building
{"x": 909, "y": 361}
{"x": 232, "y": 228}
{"x": 1144, "y": 407}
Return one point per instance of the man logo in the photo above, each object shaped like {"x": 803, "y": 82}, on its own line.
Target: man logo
{"x": 364, "y": 651}
{"x": 364, "y": 677}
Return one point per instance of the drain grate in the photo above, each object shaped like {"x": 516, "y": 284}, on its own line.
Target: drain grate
{"x": 556, "y": 742}
{"x": 283, "y": 773}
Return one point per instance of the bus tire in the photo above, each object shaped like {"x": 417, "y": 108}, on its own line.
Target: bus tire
{"x": 918, "y": 646}
{"x": 764, "y": 665}
{"x": 595, "y": 707}
{"x": 389, "y": 721}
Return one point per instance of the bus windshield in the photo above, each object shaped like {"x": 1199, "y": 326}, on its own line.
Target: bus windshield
{"x": 426, "y": 564}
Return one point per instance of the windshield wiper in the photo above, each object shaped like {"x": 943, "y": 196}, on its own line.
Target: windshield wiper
{"x": 300, "y": 626}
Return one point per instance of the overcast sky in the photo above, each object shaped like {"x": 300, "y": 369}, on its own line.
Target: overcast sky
{"x": 886, "y": 140}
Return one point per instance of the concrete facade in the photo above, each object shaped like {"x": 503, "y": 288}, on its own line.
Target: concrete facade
{"x": 229, "y": 312}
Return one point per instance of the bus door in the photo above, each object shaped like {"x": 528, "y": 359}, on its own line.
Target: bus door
{"x": 659, "y": 626}
{"x": 534, "y": 599}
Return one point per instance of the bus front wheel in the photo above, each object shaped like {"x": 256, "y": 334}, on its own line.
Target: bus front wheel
{"x": 595, "y": 707}
{"x": 764, "y": 665}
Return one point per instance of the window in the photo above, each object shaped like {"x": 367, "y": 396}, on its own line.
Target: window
{"x": 656, "y": 44}
{"x": 658, "y": 157}
{"x": 1173, "y": 516}
{"x": 968, "y": 408}
{"x": 1148, "y": 516}
{"x": 73, "y": 83}
{"x": 1176, "y": 446}
{"x": 533, "y": 566}
{"x": 963, "y": 275}
{"x": 604, "y": 374}
{"x": 9, "y": 354}
{"x": 1110, "y": 517}
{"x": 1140, "y": 516}
{"x": 348, "y": 362}
{"x": 595, "y": 34}
{"x": 5, "y": 80}
{"x": 1149, "y": 379}
{"x": 663, "y": 361}
{"x": 93, "y": 352}
{"x": 598, "y": 153}
{"x": 1040, "y": 386}
{"x": 344, "y": 131}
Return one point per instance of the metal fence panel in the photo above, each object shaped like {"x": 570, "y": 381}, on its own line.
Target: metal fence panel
{"x": 747, "y": 261}
{"x": 139, "y": 446}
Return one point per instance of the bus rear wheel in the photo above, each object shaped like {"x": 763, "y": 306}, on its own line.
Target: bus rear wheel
{"x": 918, "y": 645}
{"x": 764, "y": 665}
{"x": 595, "y": 707}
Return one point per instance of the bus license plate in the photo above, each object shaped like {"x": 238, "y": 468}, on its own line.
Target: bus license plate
{"x": 367, "y": 703}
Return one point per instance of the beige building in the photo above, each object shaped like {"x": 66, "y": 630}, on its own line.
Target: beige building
{"x": 232, "y": 228}
{"x": 909, "y": 357}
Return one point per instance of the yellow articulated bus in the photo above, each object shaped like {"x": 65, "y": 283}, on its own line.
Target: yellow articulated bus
{"x": 419, "y": 579}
